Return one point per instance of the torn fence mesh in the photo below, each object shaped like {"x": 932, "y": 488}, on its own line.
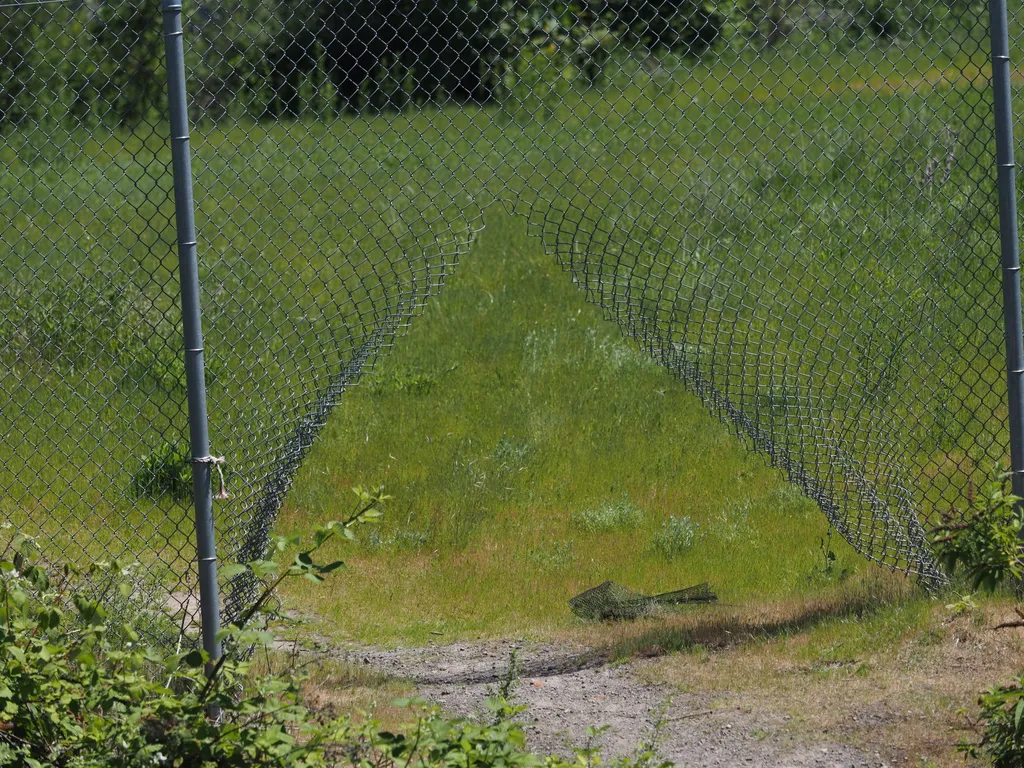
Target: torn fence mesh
{"x": 614, "y": 601}
{"x": 790, "y": 206}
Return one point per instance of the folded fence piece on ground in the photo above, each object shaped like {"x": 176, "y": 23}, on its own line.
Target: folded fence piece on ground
{"x": 614, "y": 601}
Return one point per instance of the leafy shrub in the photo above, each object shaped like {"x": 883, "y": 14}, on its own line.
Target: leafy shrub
{"x": 1001, "y": 723}
{"x": 166, "y": 471}
{"x": 987, "y": 546}
{"x": 71, "y": 696}
{"x": 987, "y": 543}
{"x": 75, "y": 693}
{"x": 610, "y": 516}
{"x": 676, "y": 536}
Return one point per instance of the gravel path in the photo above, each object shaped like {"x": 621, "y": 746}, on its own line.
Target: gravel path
{"x": 568, "y": 689}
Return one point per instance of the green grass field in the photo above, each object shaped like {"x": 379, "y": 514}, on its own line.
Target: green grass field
{"x": 531, "y": 451}
{"x": 508, "y": 412}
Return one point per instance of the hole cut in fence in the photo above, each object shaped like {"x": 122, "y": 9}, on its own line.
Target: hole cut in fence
{"x": 790, "y": 206}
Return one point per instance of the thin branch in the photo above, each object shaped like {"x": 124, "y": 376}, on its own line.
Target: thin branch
{"x": 1012, "y": 624}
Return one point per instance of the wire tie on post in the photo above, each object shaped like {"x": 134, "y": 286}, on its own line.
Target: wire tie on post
{"x": 217, "y": 462}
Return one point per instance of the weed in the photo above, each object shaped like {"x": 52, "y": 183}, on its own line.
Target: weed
{"x": 1001, "y": 726}
{"x": 828, "y": 554}
{"x": 987, "y": 544}
{"x": 508, "y": 683}
{"x": 166, "y": 471}
{"x": 648, "y": 751}
{"x": 96, "y": 320}
{"x": 621, "y": 515}
{"x": 964, "y": 605}
{"x": 789, "y": 495}
{"x": 512, "y": 454}
{"x": 938, "y": 167}
{"x": 405, "y": 380}
{"x": 404, "y": 539}
{"x": 883, "y": 324}
{"x": 733, "y": 521}
{"x": 827, "y": 569}
{"x": 560, "y": 555}
{"x": 676, "y": 536}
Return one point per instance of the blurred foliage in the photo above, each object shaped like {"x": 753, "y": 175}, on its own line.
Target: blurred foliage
{"x": 100, "y": 60}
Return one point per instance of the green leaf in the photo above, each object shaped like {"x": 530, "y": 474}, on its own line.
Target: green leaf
{"x": 49, "y": 618}
{"x": 1018, "y": 714}
{"x": 261, "y": 568}
{"x": 404, "y": 703}
{"x": 284, "y": 542}
{"x": 324, "y": 534}
{"x": 232, "y": 570}
{"x": 224, "y": 633}
{"x": 194, "y": 659}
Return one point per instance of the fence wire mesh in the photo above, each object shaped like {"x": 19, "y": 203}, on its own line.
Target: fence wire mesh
{"x": 790, "y": 204}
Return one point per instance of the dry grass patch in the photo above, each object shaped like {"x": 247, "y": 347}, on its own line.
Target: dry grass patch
{"x": 341, "y": 686}
{"x": 896, "y": 680}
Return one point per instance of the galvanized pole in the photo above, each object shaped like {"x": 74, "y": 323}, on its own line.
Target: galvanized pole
{"x": 195, "y": 377}
{"x": 1008, "y": 238}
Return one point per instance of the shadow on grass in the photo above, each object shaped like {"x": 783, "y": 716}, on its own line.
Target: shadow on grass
{"x": 600, "y": 644}
{"x": 724, "y": 627}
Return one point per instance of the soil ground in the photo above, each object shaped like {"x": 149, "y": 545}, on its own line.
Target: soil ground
{"x": 568, "y": 689}
{"x": 749, "y": 690}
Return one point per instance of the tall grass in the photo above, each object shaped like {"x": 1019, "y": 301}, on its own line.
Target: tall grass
{"x": 511, "y": 406}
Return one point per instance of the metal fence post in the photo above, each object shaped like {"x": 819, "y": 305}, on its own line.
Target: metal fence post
{"x": 1008, "y": 238}
{"x": 202, "y": 462}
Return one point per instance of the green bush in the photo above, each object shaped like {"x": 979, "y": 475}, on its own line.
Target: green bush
{"x": 986, "y": 543}
{"x": 1002, "y": 727}
{"x": 167, "y": 471}
{"x": 77, "y": 689}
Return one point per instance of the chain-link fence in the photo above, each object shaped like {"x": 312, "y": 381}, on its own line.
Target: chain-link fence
{"x": 791, "y": 205}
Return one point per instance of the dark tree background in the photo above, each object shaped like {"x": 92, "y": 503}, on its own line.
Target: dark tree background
{"x": 102, "y": 60}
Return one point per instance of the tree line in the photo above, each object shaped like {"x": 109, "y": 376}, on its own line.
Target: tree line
{"x": 102, "y": 60}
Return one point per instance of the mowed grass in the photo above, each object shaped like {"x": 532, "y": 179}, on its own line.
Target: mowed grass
{"x": 511, "y": 415}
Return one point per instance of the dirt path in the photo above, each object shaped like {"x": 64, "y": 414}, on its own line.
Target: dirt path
{"x": 568, "y": 689}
